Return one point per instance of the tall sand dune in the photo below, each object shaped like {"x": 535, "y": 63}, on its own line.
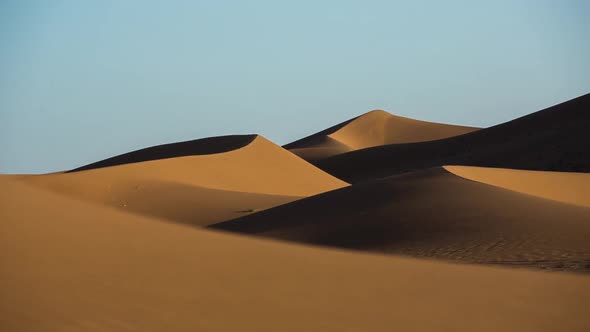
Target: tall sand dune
{"x": 68, "y": 265}
{"x": 371, "y": 129}
{"x": 553, "y": 139}
{"x": 434, "y": 213}
{"x": 193, "y": 187}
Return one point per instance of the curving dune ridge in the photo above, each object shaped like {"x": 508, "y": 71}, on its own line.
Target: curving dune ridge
{"x": 250, "y": 174}
{"x": 553, "y": 139}
{"x": 434, "y": 213}
{"x": 203, "y": 146}
{"x": 371, "y": 129}
{"x": 567, "y": 187}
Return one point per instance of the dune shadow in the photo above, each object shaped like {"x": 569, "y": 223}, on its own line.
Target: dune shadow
{"x": 204, "y": 146}
{"x": 191, "y": 205}
{"x": 547, "y": 140}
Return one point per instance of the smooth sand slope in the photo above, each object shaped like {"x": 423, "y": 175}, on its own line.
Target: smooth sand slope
{"x": 554, "y": 139}
{"x": 67, "y": 265}
{"x": 572, "y": 188}
{"x": 434, "y": 213}
{"x": 249, "y": 174}
{"x": 371, "y": 129}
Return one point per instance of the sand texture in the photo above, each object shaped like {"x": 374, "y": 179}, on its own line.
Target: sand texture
{"x": 434, "y": 213}
{"x": 69, "y": 265}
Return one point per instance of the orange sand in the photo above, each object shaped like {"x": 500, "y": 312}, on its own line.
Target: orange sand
{"x": 67, "y": 265}
{"x": 372, "y": 129}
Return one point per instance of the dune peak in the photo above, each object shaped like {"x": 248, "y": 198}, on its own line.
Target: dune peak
{"x": 550, "y": 139}
{"x": 374, "y": 128}
{"x": 202, "y": 146}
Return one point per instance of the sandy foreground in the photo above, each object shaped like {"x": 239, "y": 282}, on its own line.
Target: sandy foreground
{"x": 69, "y": 265}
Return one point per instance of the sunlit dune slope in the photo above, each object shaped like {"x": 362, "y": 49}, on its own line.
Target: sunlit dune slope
{"x": 371, "y": 129}
{"x": 434, "y": 213}
{"x": 553, "y": 139}
{"x": 197, "y": 189}
{"x": 68, "y": 265}
{"x": 572, "y": 188}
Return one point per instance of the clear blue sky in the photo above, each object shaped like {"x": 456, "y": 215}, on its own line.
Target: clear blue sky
{"x": 85, "y": 80}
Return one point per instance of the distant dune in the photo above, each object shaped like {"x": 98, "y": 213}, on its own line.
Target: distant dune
{"x": 371, "y": 129}
{"x": 67, "y": 265}
{"x": 434, "y": 213}
{"x": 249, "y": 174}
{"x": 554, "y": 139}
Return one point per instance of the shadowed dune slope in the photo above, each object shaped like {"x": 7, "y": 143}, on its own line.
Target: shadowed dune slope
{"x": 572, "y": 188}
{"x": 198, "y": 189}
{"x": 176, "y": 202}
{"x": 433, "y": 213}
{"x": 67, "y": 265}
{"x": 371, "y": 129}
{"x": 554, "y": 139}
{"x": 203, "y": 146}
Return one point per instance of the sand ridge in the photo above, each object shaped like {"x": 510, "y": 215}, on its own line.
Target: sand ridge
{"x": 372, "y": 129}
{"x": 203, "y": 146}
{"x": 434, "y": 213}
{"x": 566, "y": 187}
{"x": 67, "y": 265}
{"x": 552, "y": 139}
{"x": 197, "y": 189}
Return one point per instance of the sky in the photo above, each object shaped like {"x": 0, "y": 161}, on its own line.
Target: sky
{"x": 81, "y": 81}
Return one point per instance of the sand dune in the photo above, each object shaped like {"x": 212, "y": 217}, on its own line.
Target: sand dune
{"x": 67, "y": 265}
{"x": 434, "y": 213}
{"x": 95, "y": 248}
{"x": 554, "y": 139}
{"x": 260, "y": 166}
{"x": 371, "y": 129}
{"x": 198, "y": 189}
{"x": 572, "y": 188}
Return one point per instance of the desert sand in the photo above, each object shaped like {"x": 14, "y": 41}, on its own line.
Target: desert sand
{"x": 374, "y": 128}
{"x": 567, "y": 187}
{"x": 375, "y": 224}
{"x": 237, "y": 175}
{"x": 553, "y": 139}
{"x": 69, "y": 265}
{"x": 434, "y": 213}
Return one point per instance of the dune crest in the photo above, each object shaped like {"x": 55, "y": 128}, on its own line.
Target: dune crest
{"x": 567, "y": 187}
{"x": 434, "y": 213}
{"x": 203, "y": 146}
{"x": 552, "y": 139}
{"x": 373, "y": 128}
{"x": 197, "y": 189}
